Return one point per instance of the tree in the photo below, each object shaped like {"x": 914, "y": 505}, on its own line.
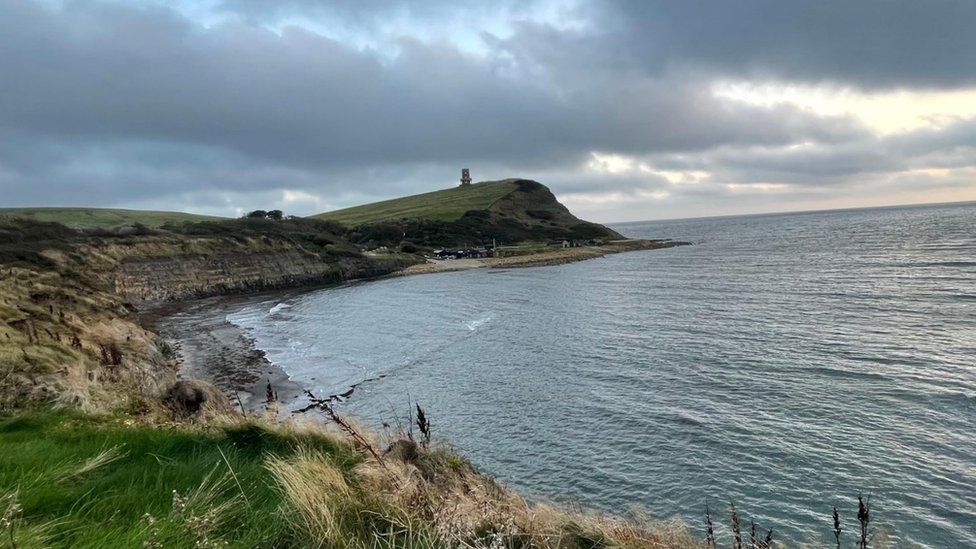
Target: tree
{"x": 275, "y": 215}
{"x": 257, "y": 214}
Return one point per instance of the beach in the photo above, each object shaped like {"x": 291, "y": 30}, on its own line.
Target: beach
{"x": 551, "y": 256}
{"x": 211, "y": 348}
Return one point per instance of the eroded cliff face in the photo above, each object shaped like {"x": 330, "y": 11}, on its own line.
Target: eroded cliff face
{"x": 68, "y": 342}
{"x": 177, "y": 278}
{"x": 69, "y": 332}
{"x": 532, "y": 212}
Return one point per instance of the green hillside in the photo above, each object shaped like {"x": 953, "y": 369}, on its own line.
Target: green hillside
{"x": 444, "y": 205}
{"x": 511, "y": 210}
{"x": 103, "y": 218}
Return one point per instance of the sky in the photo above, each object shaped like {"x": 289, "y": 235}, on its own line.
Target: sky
{"x": 626, "y": 109}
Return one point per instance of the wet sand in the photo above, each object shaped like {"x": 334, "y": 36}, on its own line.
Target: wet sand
{"x": 210, "y": 348}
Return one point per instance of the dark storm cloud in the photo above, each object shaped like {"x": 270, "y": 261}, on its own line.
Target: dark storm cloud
{"x": 100, "y": 84}
{"x": 892, "y": 43}
{"x": 117, "y": 103}
{"x": 302, "y": 98}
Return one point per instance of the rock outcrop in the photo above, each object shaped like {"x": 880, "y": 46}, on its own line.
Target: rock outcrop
{"x": 175, "y": 278}
{"x": 192, "y": 397}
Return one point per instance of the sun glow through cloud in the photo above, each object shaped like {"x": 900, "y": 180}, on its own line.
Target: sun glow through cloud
{"x": 886, "y": 112}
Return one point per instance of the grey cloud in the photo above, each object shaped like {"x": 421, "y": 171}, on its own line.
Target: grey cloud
{"x": 892, "y": 43}
{"x": 304, "y": 98}
{"x": 114, "y": 103}
{"x": 827, "y": 165}
{"x": 895, "y": 43}
{"x": 622, "y": 183}
{"x": 367, "y": 13}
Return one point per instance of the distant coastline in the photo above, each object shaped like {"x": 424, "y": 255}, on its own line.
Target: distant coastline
{"x": 553, "y": 256}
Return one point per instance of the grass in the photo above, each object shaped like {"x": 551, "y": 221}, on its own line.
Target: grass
{"x": 68, "y": 341}
{"x": 103, "y": 218}
{"x": 443, "y": 205}
{"x": 72, "y": 480}
{"x": 85, "y": 481}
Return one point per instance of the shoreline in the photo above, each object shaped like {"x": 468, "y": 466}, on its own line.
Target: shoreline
{"x": 557, "y": 256}
{"x": 211, "y": 348}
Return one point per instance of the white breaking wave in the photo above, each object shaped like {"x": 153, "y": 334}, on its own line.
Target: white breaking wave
{"x": 278, "y": 308}
{"x": 475, "y": 324}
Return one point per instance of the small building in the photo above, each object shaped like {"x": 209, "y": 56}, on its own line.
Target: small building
{"x": 444, "y": 254}
{"x": 465, "y": 177}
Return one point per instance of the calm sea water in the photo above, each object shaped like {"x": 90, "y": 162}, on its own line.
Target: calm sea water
{"x": 786, "y": 362}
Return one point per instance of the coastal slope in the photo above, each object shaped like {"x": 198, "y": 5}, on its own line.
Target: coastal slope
{"x": 509, "y": 211}
{"x": 442, "y": 205}
{"x": 69, "y": 331}
{"x": 104, "y": 218}
{"x": 71, "y": 290}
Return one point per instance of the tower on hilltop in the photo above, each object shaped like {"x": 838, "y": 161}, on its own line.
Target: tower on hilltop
{"x": 465, "y": 177}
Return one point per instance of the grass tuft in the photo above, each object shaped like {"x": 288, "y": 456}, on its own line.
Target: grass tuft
{"x": 92, "y": 464}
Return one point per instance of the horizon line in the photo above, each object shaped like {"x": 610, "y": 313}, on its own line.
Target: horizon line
{"x": 655, "y": 220}
{"x": 789, "y": 212}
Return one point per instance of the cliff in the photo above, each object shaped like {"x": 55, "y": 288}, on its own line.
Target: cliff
{"x": 69, "y": 334}
{"x": 176, "y": 278}
{"x": 219, "y": 258}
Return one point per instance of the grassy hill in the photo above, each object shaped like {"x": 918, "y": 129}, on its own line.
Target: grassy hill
{"x": 103, "y": 218}
{"x": 511, "y": 210}
{"x": 444, "y": 205}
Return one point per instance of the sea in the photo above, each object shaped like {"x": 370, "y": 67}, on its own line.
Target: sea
{"x": 784, "y": 363}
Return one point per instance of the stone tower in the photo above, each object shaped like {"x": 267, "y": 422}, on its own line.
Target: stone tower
{"x": 465, "y": 177}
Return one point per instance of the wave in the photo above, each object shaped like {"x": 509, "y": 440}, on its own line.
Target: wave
{"x": 688, "y": 418}
{"x": 278, "y": 308}
{"x": 925, "y": 264}
{"x": 477, "y": 323}
{"x": 851, "y": 374}
{"x": 954, "y": 400}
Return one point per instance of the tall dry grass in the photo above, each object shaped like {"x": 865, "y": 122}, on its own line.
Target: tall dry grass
{"x": 405, "y": 493}
{"x": 259, "y": 482}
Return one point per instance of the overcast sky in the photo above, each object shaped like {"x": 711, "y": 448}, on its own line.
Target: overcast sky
{"x": 627, "y": 110}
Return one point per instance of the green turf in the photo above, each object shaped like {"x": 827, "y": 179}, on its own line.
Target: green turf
{"x": 41, "y": 456}
{"x": 102, "y": 218}
{"x": 444, "y": 205}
